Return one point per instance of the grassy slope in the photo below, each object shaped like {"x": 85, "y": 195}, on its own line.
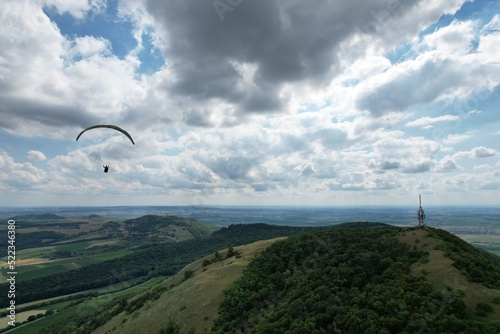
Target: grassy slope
{"x": 442, "y": 274}
{"x": 192, "y": 304}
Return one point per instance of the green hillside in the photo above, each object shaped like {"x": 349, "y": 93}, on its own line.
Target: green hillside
{"x": 364, "y": 280}
{"x": 188, "y": 301}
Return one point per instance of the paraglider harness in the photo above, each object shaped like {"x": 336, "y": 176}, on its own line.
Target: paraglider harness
{"x": 106, "y": 167}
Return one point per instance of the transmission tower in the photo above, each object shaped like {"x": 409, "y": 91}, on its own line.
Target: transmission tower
{"x": 420, "y": 213}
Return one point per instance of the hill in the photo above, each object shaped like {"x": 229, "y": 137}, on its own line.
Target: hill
{"x": 167, "y": 226}
{"x": 366, "y": 280}
{"x": 349, "y": 278}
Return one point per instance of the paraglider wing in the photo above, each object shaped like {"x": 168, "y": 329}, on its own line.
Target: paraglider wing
{"x": 117, "y": 128}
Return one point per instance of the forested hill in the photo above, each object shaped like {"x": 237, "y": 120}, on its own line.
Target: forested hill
{"x": 366, "y": 280}
{"x": 151, "y": 224}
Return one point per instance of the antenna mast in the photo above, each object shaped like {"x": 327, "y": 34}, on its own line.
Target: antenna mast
{"x": 420, "y": 213}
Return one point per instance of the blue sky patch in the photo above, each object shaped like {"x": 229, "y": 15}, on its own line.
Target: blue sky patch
{"x": 150, "y": 56}
{"x": 401, "y": 53}
{"x": 118, "y": 31}
{"x": 105, "y": 25}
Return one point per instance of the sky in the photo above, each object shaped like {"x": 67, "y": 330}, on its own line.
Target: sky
{"x": 250, "y": 102}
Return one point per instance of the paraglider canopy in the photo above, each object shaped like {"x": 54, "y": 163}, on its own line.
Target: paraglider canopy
{"x": 117, "y": 128}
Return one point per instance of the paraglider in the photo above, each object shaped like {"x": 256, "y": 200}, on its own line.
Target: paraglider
{"x": 117, "y": 128}
{"x": 114, "y": 127}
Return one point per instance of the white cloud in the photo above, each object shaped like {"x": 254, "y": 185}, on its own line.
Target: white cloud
{"x": 425, "y": 121}
{"x": 447, "y": 164}
{"x": 68, "y": 83}
{"x": 411, "y": 148}
{"x": 36, "y": 155}
{"x": 89, "y": 46}
{"x": 453, "y": 39}
{"x": 483, "y": 167}
{"x": 476, "y": 152}
{"x": 488, "y": 42}
{"x": 18, "y": 177}
{"x": 445, "y": 68}
{"x": 455, "y": 138}
{"x": 76, "y": 8}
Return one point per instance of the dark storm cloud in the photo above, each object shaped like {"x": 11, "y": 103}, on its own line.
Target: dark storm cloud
{"x": 261, "y": 100}
{"x": 204, "y": 77}
{"x": 15, "y": 113}
{"x": 197, "y": 117}
{"x": 286, "y": 40}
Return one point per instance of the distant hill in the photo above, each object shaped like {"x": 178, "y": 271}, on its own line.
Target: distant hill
{"x": 170, "y": 225}
{"x": 351, "y": 278}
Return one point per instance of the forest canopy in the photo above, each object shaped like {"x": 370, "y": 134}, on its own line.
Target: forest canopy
{"x": 342, "y": 280}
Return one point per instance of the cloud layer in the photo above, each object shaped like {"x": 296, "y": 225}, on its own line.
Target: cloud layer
{"x": 257, "y": 102}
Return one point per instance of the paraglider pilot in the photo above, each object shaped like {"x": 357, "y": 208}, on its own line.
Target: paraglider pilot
{"x": 106, "y": 167}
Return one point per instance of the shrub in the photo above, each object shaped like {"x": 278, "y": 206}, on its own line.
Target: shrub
{"x": 484, "y": 307}
{"x": 188, "y": 274}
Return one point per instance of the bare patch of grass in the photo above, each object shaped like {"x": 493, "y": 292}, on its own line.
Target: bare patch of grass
{"x": 101, "y": 243}
{"x": 20, "y": 317}
{"x": 72, "y": 265}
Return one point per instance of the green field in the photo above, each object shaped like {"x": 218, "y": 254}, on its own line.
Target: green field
{"x": 65, "y": 309}
{"x": 28, "y": 272}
